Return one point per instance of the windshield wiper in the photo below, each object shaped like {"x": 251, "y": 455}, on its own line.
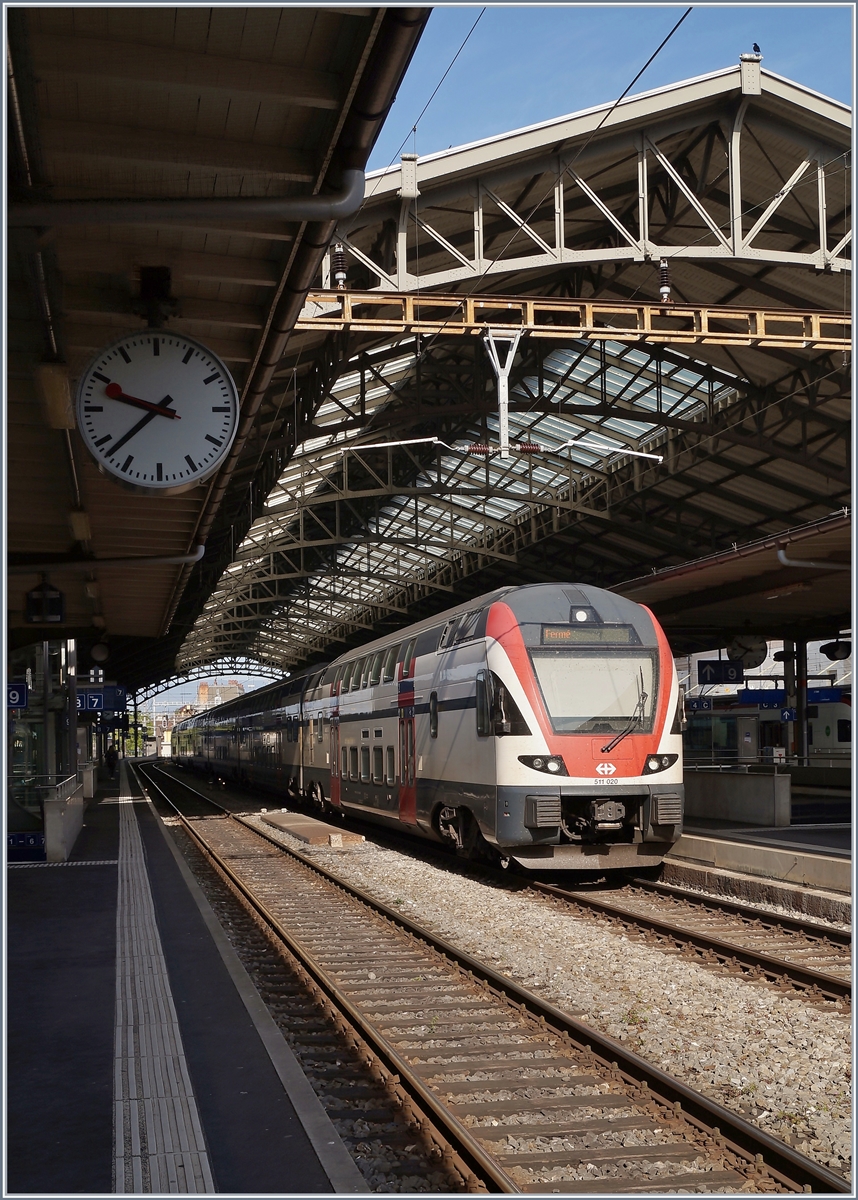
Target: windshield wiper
{"x": 633, "y": 720}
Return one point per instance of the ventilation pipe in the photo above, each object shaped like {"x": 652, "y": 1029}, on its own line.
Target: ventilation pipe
{"x": 242, "y": 208}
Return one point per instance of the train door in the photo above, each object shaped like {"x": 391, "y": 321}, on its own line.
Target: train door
{"x": 407, "y": 762}
{"x": 748, "y": 738}
{"x": 280, "y": 751}
{"x": 335, "y": 758}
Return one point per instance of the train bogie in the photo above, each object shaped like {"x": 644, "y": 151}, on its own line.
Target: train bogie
{"x": 539, "y": 724}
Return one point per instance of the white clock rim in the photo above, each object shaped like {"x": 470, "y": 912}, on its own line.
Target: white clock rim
{"x": 155, "y": 489}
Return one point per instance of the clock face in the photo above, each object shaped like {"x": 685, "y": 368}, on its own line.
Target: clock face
{"x": 751, "y": 648}
{"x": 158, "y": 411}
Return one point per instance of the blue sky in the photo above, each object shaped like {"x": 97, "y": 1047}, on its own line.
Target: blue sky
{"x": 528, "y": 63}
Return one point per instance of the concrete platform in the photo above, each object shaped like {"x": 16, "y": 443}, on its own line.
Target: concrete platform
{"x": 778, "y": 865}
{"x": 310, "y": 830}
{"x": 140, "y": 1056}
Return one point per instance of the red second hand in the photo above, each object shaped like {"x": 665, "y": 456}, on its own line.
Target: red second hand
{"x": 115, "y": 392}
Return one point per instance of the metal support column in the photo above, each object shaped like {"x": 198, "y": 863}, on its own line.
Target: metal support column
{"x": 71, "y": 707}
{"x": 801, "y": 703}
{"x": 502, "y": 373}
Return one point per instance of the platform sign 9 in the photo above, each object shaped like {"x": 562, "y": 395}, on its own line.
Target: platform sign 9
{"x": 17, "y": 695}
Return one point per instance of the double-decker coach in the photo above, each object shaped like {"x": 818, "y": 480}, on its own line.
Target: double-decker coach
{"x": 540, "y": 724}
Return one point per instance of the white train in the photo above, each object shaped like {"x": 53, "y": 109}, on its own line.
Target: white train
{"x": 539, "y": 723}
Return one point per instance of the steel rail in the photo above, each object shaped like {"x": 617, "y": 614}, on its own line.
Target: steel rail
{"x": 840, "y": 937}
{"x": 738, "y": 1135}
{"x": 467, "y": 1146}
{"x": 777, "y": 968}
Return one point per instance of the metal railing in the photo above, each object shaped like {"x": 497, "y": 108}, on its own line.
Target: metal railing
{"x": 29, "y": 792}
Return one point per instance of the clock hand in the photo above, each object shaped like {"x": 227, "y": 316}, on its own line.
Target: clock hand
{"x": 115, "y": 392}
{"x": 135, "y": 429}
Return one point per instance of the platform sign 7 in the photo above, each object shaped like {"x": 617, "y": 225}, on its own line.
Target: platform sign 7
{"x": 95, "y": 701}
{"x": 16, "y": 695}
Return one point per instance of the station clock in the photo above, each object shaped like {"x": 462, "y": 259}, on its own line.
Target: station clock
{"x": 748, "y": 648}
{"x": 157, "y": 411}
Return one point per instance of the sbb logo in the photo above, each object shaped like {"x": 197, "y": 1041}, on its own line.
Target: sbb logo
{"x": 606, "y": 768}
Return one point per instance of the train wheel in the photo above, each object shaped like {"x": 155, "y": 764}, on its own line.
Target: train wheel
{"x": 317, "y": 799}
{"x": 472, "y": 845}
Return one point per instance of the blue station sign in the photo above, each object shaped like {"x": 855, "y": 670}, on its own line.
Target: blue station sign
{"x": 17, "y": 695}
{"x": 102, "y": 699}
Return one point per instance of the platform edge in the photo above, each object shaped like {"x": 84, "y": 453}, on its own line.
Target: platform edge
{"x": 338, "y": 1164}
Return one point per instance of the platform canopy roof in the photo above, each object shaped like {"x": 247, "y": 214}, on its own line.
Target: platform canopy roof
{"x": 177, "y": 104}
{"x": 358, "y": 505}
{"x": 357, "y": 537}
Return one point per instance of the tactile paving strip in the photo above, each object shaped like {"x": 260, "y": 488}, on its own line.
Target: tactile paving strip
{"x": 158, "y": 1139}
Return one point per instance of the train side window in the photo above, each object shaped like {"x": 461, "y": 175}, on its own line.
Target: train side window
{"x": 468, "y": 625}
{"x": 357, "y": 673}
{"x": 345, "y": 770}
{"x": 448, "y": 633}
{"x": 484, "y": 705}
{"x": 408, "y": 658}
{"x": 364, "y": 764}
{"x": 391, "y": 765}
{"x": 347, "y": 675}
{"x": 353, "y": 762}
{"x": 389, "y": 669}
{"x": 433, "y": 714}
{"x": 375, "y": 672}
{"x": 377, "y": 764}
{"x": 844, "y": 729}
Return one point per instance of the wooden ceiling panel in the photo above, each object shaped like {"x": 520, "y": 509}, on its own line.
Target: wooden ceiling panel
{"x": 176, "y": 71}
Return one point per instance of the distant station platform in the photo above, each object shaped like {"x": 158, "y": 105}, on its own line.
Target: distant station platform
{"x": 804, "y": 867}
{"x": 140, "y": 1056}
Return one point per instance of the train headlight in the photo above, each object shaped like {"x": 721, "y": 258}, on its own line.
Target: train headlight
{"x": 659, "y": 762}
{"x": 550, "y": 764}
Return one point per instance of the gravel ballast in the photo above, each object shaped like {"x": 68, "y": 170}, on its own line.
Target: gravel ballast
{"x": 775, "y": 1059}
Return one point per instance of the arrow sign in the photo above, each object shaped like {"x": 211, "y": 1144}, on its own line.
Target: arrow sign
{"x": 719, "y": 670}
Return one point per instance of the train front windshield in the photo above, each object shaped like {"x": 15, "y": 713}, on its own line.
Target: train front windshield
{"x": 597, "y": 691}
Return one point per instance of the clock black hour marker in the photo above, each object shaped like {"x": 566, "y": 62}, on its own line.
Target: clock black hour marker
{"x": 125, "y": 354}
{"x": 103, "y": 378}
{"x": 160, "y": 471}
{"x": 214, "y": 441}
{"x": 129, "y": 460}
{"x": 224, "y": 408}
{"x": 94, "y": 408}
{"x": 156, "y": 347}
{"x": 188, "y": 356}
{"x": 212, "y": 378}
{"x": 190, "y": 462}
{"x": 106, "y": 438}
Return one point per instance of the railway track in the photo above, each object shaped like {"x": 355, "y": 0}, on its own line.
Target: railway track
{"x": 785, "y": 952}
{"x": 520, "y": 1096}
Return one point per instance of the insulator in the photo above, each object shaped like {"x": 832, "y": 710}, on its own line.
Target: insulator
{"x": 338, "y": 267}
{"x": 664, "y": 281}
{"x": 529, "y": 447}
{"x": 479, "y": 448}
